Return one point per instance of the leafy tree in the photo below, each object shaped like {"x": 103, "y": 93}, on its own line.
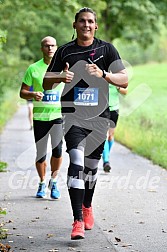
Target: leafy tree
{"x": 133, "y": 20}
{"x": 27, "y": 22}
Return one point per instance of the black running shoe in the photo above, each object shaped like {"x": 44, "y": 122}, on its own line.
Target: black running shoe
{"x": 106, "y": 167}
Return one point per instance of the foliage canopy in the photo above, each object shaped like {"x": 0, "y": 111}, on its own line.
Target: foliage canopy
{"x": 25, "y": 22}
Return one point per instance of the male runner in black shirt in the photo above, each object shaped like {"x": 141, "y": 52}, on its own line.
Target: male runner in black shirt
{"x": 87, "y": 65}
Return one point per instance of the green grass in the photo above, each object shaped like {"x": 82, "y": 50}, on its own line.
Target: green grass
{"x": 8, "y": 107}
{"x": 3, "y": 234}
{"x": 144, "y": 129}
{"x": 3, "y": 166}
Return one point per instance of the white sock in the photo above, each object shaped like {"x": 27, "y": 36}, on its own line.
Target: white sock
{"x": 53, "y": 179}
{"x": 42, "y": 182}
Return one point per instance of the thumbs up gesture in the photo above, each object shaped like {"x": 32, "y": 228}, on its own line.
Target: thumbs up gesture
{"x": 66, "y": 67}
{"x": 66, "y": 74}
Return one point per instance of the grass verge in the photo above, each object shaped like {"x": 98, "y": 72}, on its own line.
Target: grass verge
{"x": 143, "y": 118}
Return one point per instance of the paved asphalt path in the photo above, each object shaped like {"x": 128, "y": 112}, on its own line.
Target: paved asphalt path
{"x": 130, "y": 203}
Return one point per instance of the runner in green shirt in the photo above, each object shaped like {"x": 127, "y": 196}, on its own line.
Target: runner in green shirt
{"x": 47, "y": 118}
{"x": 30, "y": 110}
{"x": 114, "y": 114}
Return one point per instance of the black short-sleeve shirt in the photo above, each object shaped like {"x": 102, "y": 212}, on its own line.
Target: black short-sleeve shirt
{"x": 86, "y": 96}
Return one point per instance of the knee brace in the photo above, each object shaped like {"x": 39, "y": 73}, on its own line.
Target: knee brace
{"x": 75, "y": 170}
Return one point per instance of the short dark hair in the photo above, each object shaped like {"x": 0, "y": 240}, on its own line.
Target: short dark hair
{"x": 85, "y": 9}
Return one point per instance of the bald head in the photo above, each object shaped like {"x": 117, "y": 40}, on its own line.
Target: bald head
{"x": 48, "y": 48}
{"x": 48, "y": 39}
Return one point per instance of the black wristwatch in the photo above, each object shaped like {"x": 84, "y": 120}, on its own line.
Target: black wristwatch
{"x": 104, "y": 74}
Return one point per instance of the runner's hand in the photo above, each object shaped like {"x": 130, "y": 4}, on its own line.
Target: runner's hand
{"x": 38, "y": 96}
{"x": 66, "y": 74}
{"x": 93, "y": 69}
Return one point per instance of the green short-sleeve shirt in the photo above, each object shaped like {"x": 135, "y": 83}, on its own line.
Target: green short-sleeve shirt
{"x": 50, "y": 107}
{"x": 113, "y": 98}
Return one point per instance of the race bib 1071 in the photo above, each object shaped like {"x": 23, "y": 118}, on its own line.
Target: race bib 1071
{"x": 86, "y": 96}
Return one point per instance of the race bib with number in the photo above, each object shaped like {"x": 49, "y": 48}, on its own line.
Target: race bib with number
{"x": 51, "y": 96}
{"x": 86, "y": 96}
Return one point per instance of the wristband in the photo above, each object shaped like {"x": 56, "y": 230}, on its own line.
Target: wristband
{"x": 104, "y": 74}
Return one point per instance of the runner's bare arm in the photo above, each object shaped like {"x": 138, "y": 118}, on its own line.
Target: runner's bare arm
{"x": 52, "y": 79}
{"x": 119, "y": 79}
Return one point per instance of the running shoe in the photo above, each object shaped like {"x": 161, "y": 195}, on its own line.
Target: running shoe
{"x": 41, "y": 193}
{"x": 55, "y": 193}
{"x": 88, "y": 217}
{"x": 106, "y": 167}
{"x": 78, "y": 230}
